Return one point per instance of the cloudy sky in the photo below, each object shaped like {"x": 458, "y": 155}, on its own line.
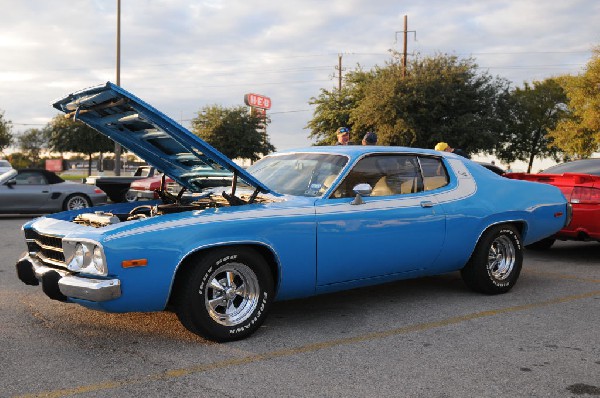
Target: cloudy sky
{"x": 180, "y": 55}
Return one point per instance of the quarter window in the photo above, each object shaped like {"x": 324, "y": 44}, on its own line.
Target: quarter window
{"x": 434, "y": 173}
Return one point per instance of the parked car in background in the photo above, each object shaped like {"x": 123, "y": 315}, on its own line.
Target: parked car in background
{"x": 295, "y": 224}
{"x": 150, "y": 188}
{"x": 579, "y": 181}
{"x": 117, "y": 187}
{"x": 492, "y": 167}
{"x": 147, "y": 188}
{"x": 38, "y": 191}
{"x": 5, "y": 166}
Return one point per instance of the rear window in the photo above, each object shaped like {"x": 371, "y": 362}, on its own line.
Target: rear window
{"x": 585, "y": 166}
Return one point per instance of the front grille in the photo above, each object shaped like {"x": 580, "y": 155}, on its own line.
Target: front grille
{"x": 47, "y": 247}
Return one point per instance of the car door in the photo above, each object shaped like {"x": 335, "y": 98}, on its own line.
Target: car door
{"x": 399, "y": 228}
{"x": 30, "y": 193}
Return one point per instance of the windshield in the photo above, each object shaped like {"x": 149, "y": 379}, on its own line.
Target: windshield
{"x": 585, "y": 166}
{"x": 300, "y": 174}
{"x": 7, "y": 175}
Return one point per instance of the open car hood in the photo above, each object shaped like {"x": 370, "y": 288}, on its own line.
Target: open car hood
{"x": 151, "y": 135}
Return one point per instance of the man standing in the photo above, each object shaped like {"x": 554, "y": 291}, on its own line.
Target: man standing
{"x": 343, "y": 136}
{"x": 444, "y": 147}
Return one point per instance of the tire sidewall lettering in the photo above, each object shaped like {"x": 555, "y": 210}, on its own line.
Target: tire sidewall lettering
{"x": 253, "y": 319}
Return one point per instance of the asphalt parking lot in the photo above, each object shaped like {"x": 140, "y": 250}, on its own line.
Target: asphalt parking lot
{"x": 428, "y": 337}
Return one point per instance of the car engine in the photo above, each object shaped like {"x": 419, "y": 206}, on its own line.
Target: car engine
{"x": 170, "y": 205}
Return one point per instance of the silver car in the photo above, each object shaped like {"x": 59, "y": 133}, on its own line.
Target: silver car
{"x": 38, "y": 191}
{"x": 5, "y": 166}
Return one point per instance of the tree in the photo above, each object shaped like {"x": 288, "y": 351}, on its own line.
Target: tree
{"x": 233, "y": 131}
{"x": 534, "y": 111}
{"x": 333, "y": 108}
{"x": 441, "y": 98}
{"x": 19, "y": 160}
{"x": 5, "y": 132}
{"x": 578, "y": 135}
{"x": 31, "y": 143}
{"x": 66, "y": 135}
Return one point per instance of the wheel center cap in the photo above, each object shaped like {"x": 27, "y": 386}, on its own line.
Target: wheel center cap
{"x": 230, "y": 293}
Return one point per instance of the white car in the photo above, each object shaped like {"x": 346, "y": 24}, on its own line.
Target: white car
{"x": 5, "y": 166}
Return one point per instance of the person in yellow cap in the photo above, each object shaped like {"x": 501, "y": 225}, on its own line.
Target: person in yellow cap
{"x": 444, "y": 147}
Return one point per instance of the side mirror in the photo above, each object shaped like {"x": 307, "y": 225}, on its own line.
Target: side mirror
{"x": 10, "y": 183}
{"x": 361, "y": 190}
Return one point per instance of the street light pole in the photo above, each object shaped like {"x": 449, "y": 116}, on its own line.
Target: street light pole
{"x": 117, "y": 145}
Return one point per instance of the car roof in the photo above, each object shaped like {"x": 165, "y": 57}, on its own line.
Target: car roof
{"x": 51, "y": 177}
{"x": 361, "y": 150}
{"x": 584, "y": 166}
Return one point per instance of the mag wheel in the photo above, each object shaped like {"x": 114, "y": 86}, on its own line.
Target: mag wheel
{"x": 226, "y": 294}
{"x": 130, "y": 197}
{"x": 496, "y": 262}
{"x": 76, "y": 202}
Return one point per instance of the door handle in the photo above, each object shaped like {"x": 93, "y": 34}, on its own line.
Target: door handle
{"x": 426, "y": 203}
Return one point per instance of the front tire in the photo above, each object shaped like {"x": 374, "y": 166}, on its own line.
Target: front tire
{"x": 225, "y": 294}
{"x": 496, "y": 262}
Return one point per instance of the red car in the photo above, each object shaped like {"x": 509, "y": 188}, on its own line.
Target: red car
{"x": 579, "y": 181}
{"x": 146, "y": 188}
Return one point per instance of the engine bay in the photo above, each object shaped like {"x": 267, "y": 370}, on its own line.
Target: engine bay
{"x": 170, "y": 204}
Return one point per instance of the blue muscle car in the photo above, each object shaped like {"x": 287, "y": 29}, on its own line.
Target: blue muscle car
{"x": 295, "y": 224}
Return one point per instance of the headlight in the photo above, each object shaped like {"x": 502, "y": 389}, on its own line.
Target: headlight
{"x": 79, "y": 259}
{"x": 85, "y": 257}
{"x": 98, "y": 260}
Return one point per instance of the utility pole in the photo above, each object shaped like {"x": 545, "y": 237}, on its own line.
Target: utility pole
{"x": 340, "y": 69}
{"x": 404, "y": 47}
{"x": 117, "y": 145}
{"x": 404, "y": 43}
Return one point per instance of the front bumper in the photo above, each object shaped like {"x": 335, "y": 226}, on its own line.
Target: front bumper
{"x": 61, "y": 285}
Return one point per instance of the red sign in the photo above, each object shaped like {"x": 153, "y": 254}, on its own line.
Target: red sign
{"x": 54, "y": 165}
{"x": 257, "y": 101}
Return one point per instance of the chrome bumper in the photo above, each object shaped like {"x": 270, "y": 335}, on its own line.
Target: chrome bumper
{"x": 59, "y": 284}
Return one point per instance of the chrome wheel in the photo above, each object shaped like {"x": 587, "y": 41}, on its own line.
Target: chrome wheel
{"x": 231, "y": 294}
{"x": 76, "y": 202}
{"x": 501, "y": 258}
{"x": 130, "y": 197}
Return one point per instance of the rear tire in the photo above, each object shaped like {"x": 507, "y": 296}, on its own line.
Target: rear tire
{"x": 496, "y": 262}
{"x": 226, "y": 294}
{"x": 130, "y": 197}
{"x": 76, "y": 202}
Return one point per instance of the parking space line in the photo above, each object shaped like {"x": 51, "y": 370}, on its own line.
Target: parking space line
{"x": 308, "y": 348}
{"x": 556, "y": 275}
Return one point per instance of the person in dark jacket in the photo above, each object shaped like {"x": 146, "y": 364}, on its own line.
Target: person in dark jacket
{"x": 370, "y": 139}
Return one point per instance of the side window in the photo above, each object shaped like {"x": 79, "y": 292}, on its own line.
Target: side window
{"x": 386, "y": 174}
{"x": 434, "y": 173}
{"x": 30, "y": 178}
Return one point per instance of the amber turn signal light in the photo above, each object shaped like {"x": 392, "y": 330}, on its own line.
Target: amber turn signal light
{"x": 142, "y": 262}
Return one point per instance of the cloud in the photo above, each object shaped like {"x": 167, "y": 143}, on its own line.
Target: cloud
{"x": 180, "y": 55}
